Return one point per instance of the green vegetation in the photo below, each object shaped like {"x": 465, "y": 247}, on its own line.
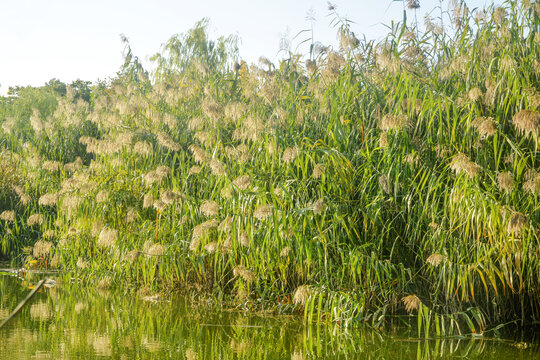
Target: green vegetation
{"x": 355, "y": 185}
{"x": 77, "y": 322}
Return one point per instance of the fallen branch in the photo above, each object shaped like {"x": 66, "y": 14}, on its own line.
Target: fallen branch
{"x": 20, "y": 306}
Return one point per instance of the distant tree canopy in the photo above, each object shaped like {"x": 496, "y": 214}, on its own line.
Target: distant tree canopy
{"x": 194, "y": 51}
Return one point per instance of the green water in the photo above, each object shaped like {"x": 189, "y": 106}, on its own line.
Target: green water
{"x": 71, "y": 322}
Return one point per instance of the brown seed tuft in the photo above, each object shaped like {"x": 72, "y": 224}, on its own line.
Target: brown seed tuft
{"x": 289, "y": 154}
{"x": 285, "y": 251}
{"x": 263, "y": 211}
{"x": 42, "y": 248}
{"x": 48, "y": 200}
{"x": 393, "y": 122}
{"x": 505, "y": 181}
{"x": 156, "y": 250}
{"x": 107, "y": 238}
{"x": 244, "y": 239}
{"x": 435, "y": 259}
{"x": 318, "y": 171}
{"x": 242, "y": 182}
{"x": 412, "y": 302}
{"x": 527, "y": 122}
{"x": 247, "y": 275}
{"x": 8, "y": 216}
{"x": 462, "y": 164}
{"x": 302, "y": 294}
{"x": 516, "y": 223}
{"x": 209, "y": 208}
{"x": 484, "y": 126}
{"x": 35, "y": 219}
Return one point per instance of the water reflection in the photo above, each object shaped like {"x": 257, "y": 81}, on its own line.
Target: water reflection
{"x": 68, "y": 322}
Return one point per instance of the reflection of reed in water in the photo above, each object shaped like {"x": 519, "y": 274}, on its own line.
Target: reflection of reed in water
{"x": 120, "y": 325}
{"x": 40, "y": 311}
{"x": 102, "y": 345}
{"x": 4, "y": 313}
{"x": 153, "y": 345}
{"x": 191, "y": 354}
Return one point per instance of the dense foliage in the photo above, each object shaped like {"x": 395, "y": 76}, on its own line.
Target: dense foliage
{"x": 359, "y": 183}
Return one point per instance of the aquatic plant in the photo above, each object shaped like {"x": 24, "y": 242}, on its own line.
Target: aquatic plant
{"x": 375, "y": 180}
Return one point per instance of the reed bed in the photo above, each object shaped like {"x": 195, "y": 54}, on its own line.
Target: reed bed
{"x": 353, "y": 184}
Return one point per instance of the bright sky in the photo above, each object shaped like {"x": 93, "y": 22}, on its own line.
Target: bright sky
{"x": 71, "y": 39}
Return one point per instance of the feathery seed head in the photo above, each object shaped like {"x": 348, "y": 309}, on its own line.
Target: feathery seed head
{"x": 48, "y": 200}
{"x": 462, "y": 164}
{"x": 199, "y": 155}
{"x": 42, "y": 248}
{"x": 244, "y": 239}
{"x": 435, "y": 259}
{"x": 311, "y": 67}
{"x": 81, "y": 264}
{"x": 301, "y": 295}
{"x": 499, "y": 14}
{"x": 156, "y": 250}
{"x": 516, "y": 223}
{"x": 475, "y": 94}
{"x": 35, "y": 219}
{"x": 318, "y": 171}
{"x": 289, "y": 154}
{"x": 49, "y": 234}
{"x": 319, "y": 206}
{"x": 393, "y": 122}
{"x": 52, "y": 165}
{"x": 209, "y": 208}
{"x": 142, "y": 148}
{"x": 148, "y": 200}
{"x": 23, "y": 198}
{"x": 131, "y": 256}
{"x": 413, "y": 4}
{"x": 532, "y": 182}
{"x": 194, "y": 170}
{"x": 226, "y": 192}
{"x": 107, "y": 238}
{"x": 505, "y": 181}
{"x": 212, "y": 109}
{"x": 384, "y": 182}
{"x": 163, "y": 170}
{"x": 242, "y": 182}
{"x": 200, "y": 230}
{"x": 247, "y": 275}
{"x": 383, "y": 139}
{"x": 484, "y": 126}
{"x": 167, "y": 142}
{"x": 263, "y": 211}
{"x": 412, "y": 302}
{"x": 226, "y": 225}
{"x": 217, "y": 167}
{"x": 159, "y": 205}
{"x": 169, "y": 197}
{"x": 151, "y": 178}
{"x": 211, "y": 247}
{"x": 527, "y": 122}
{"x": 285, "y": 251}
{"x": 8, "y": 216}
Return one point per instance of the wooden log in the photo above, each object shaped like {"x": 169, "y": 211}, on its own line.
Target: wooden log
{"x": 21, "y": 305}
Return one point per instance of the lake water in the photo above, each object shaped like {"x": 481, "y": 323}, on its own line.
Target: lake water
{"x": 73, "y": 322}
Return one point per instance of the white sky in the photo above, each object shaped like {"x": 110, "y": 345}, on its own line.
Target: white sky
{"x": 71, "y": 39}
